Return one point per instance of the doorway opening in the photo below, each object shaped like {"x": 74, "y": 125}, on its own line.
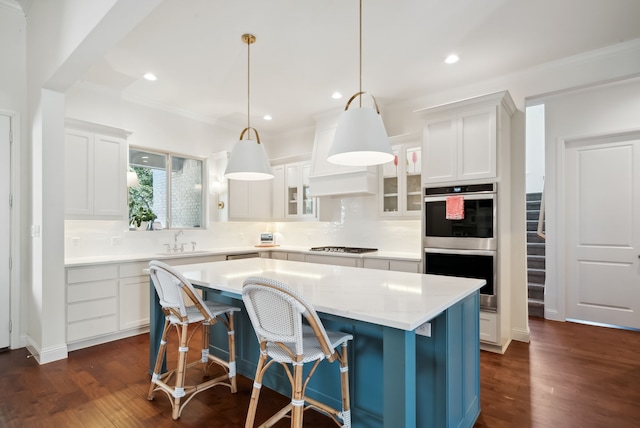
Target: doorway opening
{"x": 535, "y": 167}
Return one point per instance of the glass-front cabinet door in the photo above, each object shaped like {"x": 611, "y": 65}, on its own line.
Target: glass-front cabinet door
{"x": 308, "y": 203}
{"x": 390, "y": 195}
{"x": 293, "y": 181}
{"x": 400, "y": 182}
{"x": 413, "y": 190}
{"x": 300, "y": 204}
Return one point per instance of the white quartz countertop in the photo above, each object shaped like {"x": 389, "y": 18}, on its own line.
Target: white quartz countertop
{"x": 118, "y": 258}
{"x": 393, "y": 299}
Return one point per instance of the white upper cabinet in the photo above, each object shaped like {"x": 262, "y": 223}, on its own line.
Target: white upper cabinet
{"x": 291, "y": 195}
{"x": 95, "y": 171}
{"x": 400, "y": 183}
{"x": 278, "y": 192}
{"x": 461, "y": 140}
{"x": 250, "y": 200}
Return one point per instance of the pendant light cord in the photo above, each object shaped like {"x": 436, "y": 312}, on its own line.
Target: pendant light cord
{"x": 249, "y": 87}
{"x": 360, "y": 51}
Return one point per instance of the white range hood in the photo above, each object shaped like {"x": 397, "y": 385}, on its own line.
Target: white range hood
{"x": 327, "y": 179}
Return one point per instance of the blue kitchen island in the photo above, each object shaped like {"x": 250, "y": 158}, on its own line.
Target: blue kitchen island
{"x": 414, "y": 360}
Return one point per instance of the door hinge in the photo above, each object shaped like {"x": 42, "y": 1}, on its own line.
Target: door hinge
{"x": 10, "y": 326}
{"x": 10, "y": 262}
{"x": 10, "y": 200}
{"x": 10, "y": 137}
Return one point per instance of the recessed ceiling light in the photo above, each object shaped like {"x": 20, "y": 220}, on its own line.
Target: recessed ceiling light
{"x": 150, "y": 76}
{"x": 452, "y": 59}
{"x": 336, "y": 95}
{"x": 267, "y": 117}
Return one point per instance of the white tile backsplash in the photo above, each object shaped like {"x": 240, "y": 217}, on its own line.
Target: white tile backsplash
{"x": 355, "y": 223}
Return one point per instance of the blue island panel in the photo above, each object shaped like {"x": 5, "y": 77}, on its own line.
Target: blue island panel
{"x": 397, "y": 378}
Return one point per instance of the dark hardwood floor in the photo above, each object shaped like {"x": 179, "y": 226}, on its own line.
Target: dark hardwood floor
{"x": 570, "y": 375}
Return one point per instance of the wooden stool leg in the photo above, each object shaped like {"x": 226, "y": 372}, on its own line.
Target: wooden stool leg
{"x": 255, "y": 393}
{"x": 162, "y": 351}
{"x": 297, "y": 396}
{"x": 178, "y": 391}
{"x": 232, "y": 352}
{"x": 344, "y": 382}
{"x": 205, "y": 347}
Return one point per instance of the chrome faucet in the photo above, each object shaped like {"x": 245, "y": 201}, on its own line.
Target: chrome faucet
{"x": 175, "y": 241}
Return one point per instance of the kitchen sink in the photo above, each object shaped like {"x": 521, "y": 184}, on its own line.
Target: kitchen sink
{"x": 182, "y": 253}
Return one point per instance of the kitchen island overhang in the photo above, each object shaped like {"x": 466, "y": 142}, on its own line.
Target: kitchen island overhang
{"x": 398, "y": 377}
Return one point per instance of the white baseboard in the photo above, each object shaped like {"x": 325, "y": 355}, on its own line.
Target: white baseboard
{"x": 552, "y": 314}
{"x": 521, "y": 335}
{"x": 46, "y": 355}
{"x": 107, "y": 338}
{"x": 498, "y": 349}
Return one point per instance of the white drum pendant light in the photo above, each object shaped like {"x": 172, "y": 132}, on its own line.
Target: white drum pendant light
{"x": 248, "y": 160}
{"x": 360, "y": 139}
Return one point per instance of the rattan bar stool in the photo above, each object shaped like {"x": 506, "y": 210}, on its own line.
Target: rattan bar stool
{"x": 184, "y": 307}
{"x": 276, "y": 313}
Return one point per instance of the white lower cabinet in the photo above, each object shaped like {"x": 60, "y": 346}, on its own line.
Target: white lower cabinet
{"x": 380, "y": 264}
{"x": 489, "y": 328}
{"x": 332, "y": 260}
{"x": 133, "y": 296}
{"x": 283, "y": 255}
{"x": 279, "y": 255}
{"x": 92, "y": 306}
{"x": 111, "y": 301}
{"x": 296, "y": 257}
{"x": 394, "y": 265}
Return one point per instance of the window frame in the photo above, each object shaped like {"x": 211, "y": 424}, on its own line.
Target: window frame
{"x": 169, "y": 180}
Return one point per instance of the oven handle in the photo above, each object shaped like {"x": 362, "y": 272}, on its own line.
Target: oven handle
{"x": 467, "y": 197}
{"x": 469, "y": 252}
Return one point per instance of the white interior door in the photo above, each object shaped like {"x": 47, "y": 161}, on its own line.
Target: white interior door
{"x": 5, "y": 229}
{"x": 602, "y": 223}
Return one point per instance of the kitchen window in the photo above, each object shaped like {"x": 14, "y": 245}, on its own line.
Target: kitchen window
{"x": 170, "y": 186}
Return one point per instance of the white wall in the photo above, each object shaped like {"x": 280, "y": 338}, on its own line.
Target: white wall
{"x": 604, "y": 65}
{"x": 65, "y": 38}
{"x": 535, "y": 148}
{"x": 600, "y": 110}
{"x": 13, "y": 102}
{"x": 151, "y": 127}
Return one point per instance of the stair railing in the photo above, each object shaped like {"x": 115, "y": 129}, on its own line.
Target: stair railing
{"x": 540, "y": 233}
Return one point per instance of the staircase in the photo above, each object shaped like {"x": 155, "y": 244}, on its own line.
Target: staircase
{"x": 535, "y": 257}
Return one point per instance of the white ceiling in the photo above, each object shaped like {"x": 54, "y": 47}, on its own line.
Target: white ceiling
{"x": 306, "y": 50}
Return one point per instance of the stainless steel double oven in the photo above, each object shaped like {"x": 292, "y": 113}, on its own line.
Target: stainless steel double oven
{"x": 466, "y": 246}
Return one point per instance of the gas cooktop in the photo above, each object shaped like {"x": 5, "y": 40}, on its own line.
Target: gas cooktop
{"x": 355, "y": 250}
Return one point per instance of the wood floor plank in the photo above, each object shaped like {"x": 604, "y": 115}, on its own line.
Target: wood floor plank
{"x": 570, "y": 375}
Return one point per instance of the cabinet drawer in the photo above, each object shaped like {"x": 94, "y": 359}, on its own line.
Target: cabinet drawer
{"x": 489, "y": 327}
{"x": 91, "y": 290}
{"x": 277, "y": 255}
{"x": 376, "y": 264}
{"x": 332, "y": 260}
{"x": 296, "y": 257}
{"x": 91, "y": 309}
{"x": 128, "y": 270}
{"x": 93, "y": 273}
{"x": 404, "y": 266}
{"x": 91, "y": 328}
